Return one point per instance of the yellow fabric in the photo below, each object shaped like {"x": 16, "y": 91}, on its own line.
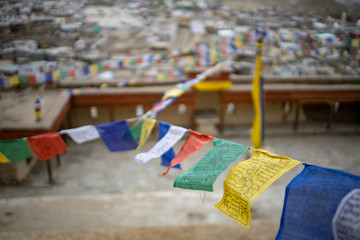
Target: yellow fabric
{"x": 175, "y": 92}
{"x": 146, "y": 129}
{"x": 14, "y": 80}
{"x": 190, "y": 59}
{"x": 56, "y": 74}
{"x": 355, "y": 43}
{"x": 3, "y": 159}
{"x": 248, "y": 180}
{"x": 256, "y": 97}
{"x": 160, "y": 77}
{"x": 213, "y": 85}
{"x": 76, "y": 91}
{"x": 238, "y": 42}
{"x": 94, "y": 69}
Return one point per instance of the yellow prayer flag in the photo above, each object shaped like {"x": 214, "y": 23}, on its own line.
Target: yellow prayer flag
{"x": 146, "y": 129}
{"x": 160, "y": 77}
{"x": 132, "y": 82}
{"x": 355, "y": 43}
{"x": 172, "y": 61}
{"x": 256, "y": 94}
{"x": 213, "y": 85}
{"x": 56, "y": 74}
{"x": 175, "y": 92}
{"x": 126, "y": 62}
{"x": 76, "y": 91}
{"x": 93, "y": 69}
{"x": 248, "y": 180}
{"x": 3, "y": 159}
{"x": 14, "y": 80}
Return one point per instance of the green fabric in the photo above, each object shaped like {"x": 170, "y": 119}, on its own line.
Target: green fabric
{"x": 64, "y": 74}
{"x": 100, "y": 67}
{"x": 205, "y": 172}
{"x": 136, "y": 130}
{"x": 23, "y": 79}
{"x": 15, "y": 150}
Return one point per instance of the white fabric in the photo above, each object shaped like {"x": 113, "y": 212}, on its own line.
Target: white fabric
{"x": 174, "y": 134}
{"x": 82, "y": 134}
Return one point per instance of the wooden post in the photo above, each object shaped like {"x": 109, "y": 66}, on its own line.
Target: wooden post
{"x": 58, "y": 160}
{"x": 297, "y": 115}
{"x": 48, "y": 164}
{"x": 331, "y": 109}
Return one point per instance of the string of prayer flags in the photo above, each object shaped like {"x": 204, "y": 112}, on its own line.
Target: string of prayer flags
{"x": 116, "y": 136}
{"x": 135, "y": 130}
{"x": 175, "y": 92}
{"x": 194, "y": 142}
{"x": 257, "y": 94}
{"x": 170, "y": 154}
{"x": 3, "y": 159}
{"x": 311, "y": 200}
{"x": 15, "y": 150}
{"x": 146, "y": 129}
{"x": 248, "y": 180}
{"x": 346, "y": 221}
{"x": 47, "y": 145}
{"x": 161, "y": 105}
{"x": 174, "y": 134}
{"x": 82, "y": 134}
{"x": 205, "y": 172}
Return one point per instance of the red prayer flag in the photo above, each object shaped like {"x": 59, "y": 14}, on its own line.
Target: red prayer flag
{"x": 47, "y": 145}
{"x": 72, "y": 73}
{"x": 107, "y": 66}
{"x": 193, "y": 144}
{"x": 31, "y": 79}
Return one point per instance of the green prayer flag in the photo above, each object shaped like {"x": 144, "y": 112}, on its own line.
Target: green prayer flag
{"x": 15, "y": 150}
{"x": 205, "y": 172}
{"x": 64, "y": 74}
{"x": 23, "y": 79}
{"x": 100, "y": 67}
{"x": 136, "y": 131}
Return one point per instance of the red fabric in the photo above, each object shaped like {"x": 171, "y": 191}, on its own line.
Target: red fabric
{"x": 71, "y": 73}
{"x": 107, "y": 66}
{"x": 31, "y": 79}
{"x": 47, "y": 145}
{"x": 193, "y": 144}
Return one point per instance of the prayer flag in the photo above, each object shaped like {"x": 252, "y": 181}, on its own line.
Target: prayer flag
{"x": 64, "y": 74}
{"x": 100, "y": 67}
{"x": 146, "y": 129}
{"x": 174, "y": 92}
{"x": 1, "y": 82}
{"x": 86, "y": 70}
{"x": 257, "y": 133}
{"x": 311, "y": 200}
{"x": 161, "y": 105}
{"x": 136, "y": 130}
{"x": 40, "y": 77}
{"x": 174, "y": 134}
{"x": 205, "y": 172}
{"x": 345, "y": 224}
{"x": 15, "y": 150}
{"x": 82, "y": 134}
{"x": 31, "y": 79}
{"x": 193, "y": 144}
{"x": 56, "y": 75}
{"x": 93, "y": 69}
{"x": 170, "y": 154}
{"x": 248, "y": 180}
{"x": 3, "y": 159}
{"x": 120, "y": 64}
{"x": 23, "y": 80}
{"x": 47, "y": 145}
{"x": 116, "y": 136}
{"x": 14, "y": 80}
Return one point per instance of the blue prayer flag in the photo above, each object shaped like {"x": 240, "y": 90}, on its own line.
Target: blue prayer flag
{"x": 169, "y": 155}
{"x": 311, "y": 200}
{"x": 86, "y": 70}
{"x": 120, "y": 64}
{"x": 116, "y": 136}
{"x": 48, "y": 77}
{"x": 1, "y": 82}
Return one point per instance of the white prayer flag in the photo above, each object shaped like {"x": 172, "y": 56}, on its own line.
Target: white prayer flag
{"x": 174, "y": 134}
{"x": 82, "y": 134}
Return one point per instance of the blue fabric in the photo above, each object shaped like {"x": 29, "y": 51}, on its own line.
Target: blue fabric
{"x": 86, "y": 70}
{"x": 116, "y": 136}
{"x": 311, "y": 200}
{"x": 169, "y": 155}
{"x": 1, "y": 82}
{"x": 48, "y": 77}
{"x": 120, "y": 64}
